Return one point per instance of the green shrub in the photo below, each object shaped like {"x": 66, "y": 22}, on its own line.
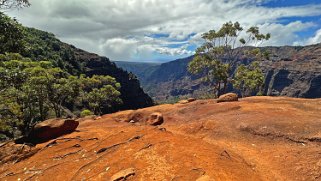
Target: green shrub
{"x": 85, "y": 113}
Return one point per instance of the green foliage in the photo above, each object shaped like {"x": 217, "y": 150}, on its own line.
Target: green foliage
{"x": 215, "y": 59}
{"x": 100, "y": 92}
{"x": 41, "y": 45}
{"x": 85, "y": 113}
{"x": 11, "y": 35}
{"x": 213, "y": 71}
{"x": 31, "y": 90}
{"x": 249, "y": 79}
{"x": 8, "y": 4}
{"x": 37, "y": 45}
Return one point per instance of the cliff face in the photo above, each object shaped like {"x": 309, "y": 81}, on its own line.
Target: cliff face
{"x": 294, "y": 71}
{"x": 293, "y": 79}
{"x": 132, "y": 94}
{"x": 291, "y": 71}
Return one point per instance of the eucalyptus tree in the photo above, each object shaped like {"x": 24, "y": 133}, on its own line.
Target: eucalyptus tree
{"x": 249, "y": 79}
{"x": 218, "y": 57}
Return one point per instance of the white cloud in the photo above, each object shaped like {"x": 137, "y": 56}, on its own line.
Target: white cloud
{"x": 316, "y": 39}
{"x": 122, "y": 30}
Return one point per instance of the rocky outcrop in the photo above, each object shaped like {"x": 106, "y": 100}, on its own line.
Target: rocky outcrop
{"x": 132, "y": 94}
{"x": 293, "y": 79}
{"x": 49, "y": 129}
{"x": 229, "y": 97}
{"x": 141, "y": 117}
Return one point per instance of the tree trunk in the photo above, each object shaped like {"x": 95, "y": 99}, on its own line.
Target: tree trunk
{"x": 219, "y": 90}
{"x": 225, "y": 87}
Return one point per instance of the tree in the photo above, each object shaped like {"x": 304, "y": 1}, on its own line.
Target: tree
{"x": 8, "y": 4}
{"x": 62, "y": 91}
{"x": 11, "y": 35}
{"x": 11, "y": 115}
{"x": 100, "y": 92}
{"x": 249, "y": 79}
{"x": 217, "y": 58}
{"x": 103, "y": 97}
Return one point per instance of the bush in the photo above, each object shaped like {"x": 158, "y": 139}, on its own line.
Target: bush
{"x": 85, "y": 113}
{"x": 260, "y": 93}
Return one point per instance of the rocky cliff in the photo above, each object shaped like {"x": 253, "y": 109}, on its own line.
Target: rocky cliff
{"x": 294, "y": 72}
{"x": 291, "y": 71}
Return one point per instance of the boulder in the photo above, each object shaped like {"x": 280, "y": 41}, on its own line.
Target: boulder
{"x": 229, "y": 97}
{"x": 155, "y": 119}
{"x": 51, "y": 129}
{"x": 123, "y": 175}
{"x": 191, "y": 99}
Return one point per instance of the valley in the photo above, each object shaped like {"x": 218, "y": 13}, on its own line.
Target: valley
{"x": 291, "y": 71}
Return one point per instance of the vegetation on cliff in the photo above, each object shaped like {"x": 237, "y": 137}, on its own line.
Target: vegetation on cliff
{"x": 42, "y": 77}
{"x": 32, "y": 91}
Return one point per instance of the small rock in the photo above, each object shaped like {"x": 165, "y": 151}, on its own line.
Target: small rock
{"x": 183, "y": 102}
{"x": 98, "y": 117}
{"x": 155, "y": 119}
{"x": 191, "y": 99}
{"x": 123, "y": 175}
{"x": 229, "y": 97}
{"x": 162, "y": 129}
{"x": 132, "y": 121}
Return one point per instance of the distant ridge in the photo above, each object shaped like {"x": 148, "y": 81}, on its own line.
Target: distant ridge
{"x": 293, "y": 71}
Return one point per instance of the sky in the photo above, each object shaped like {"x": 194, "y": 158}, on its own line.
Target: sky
{"x": 164, "y": 30}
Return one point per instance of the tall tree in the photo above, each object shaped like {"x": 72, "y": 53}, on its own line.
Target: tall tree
{"x": 8, "y": 4}
{"x": 217, "y": 58}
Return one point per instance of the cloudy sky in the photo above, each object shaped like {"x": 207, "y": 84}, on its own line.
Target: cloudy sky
{"x": 162, "y": 30}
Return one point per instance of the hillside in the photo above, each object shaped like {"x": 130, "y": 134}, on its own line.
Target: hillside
{"x": 42, "y": 78}
{"x": 257, "y": 138}
{"x": 40, "y": 45}
{"x": 291, "y": 71}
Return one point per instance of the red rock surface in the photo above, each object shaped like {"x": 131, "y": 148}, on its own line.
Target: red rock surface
{"x": 257, "y": 138}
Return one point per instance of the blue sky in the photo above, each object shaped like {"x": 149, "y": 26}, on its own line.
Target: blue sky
{"x": 164, "y": 30}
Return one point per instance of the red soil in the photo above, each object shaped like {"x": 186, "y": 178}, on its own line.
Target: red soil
{"x": 257, "y": 138}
